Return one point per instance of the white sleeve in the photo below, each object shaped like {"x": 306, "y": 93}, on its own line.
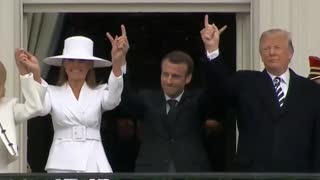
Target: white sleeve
{"x": 213, "y": 55}
{"x": 112, "y": 94}
{"x": 46, "y": 101}
{"x": 34, "y": 94}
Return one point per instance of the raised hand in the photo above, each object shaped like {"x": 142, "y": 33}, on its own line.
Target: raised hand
{"x": 210, "y": 35}
{"x": 20, "y": 58}
{"x": 120, "y": 47}
{"x": 27, "y": 63}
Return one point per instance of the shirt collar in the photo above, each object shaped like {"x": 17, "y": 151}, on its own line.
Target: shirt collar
{"x": 285, "y": 77}
{"x": 178, "y": 98}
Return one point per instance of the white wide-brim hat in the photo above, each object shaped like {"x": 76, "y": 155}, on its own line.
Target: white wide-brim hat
{"x": 77, "y": 47}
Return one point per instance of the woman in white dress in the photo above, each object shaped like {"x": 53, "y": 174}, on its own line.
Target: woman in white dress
{"x": 12, "y": 112}
{"x": 76, "y": 104}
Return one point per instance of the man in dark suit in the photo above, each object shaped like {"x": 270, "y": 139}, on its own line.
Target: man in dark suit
{"x": 171, "y": 135}
{"x": 173, "y": 119}
{"x": 278, "y": 112}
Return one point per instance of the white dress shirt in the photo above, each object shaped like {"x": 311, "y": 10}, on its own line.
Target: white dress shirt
{"x": 178, "y": 98}
{"x": 285, "y": 77}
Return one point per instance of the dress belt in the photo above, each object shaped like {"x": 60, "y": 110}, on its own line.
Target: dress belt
{"x": 78, "y": 133}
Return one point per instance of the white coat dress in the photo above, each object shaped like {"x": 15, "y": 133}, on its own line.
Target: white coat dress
{"x": 76, "y": 145}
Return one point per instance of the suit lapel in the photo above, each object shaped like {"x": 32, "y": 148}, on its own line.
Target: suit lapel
{"x": 85, "y": 97}
{"x": 163, "y": 125}
{"x": 267, "y": 93}
{"x": 293, "y": 90}
{"x": 168, "y": 124}
{"x": 184, "y": 100}
{"x": 72, "y": 107}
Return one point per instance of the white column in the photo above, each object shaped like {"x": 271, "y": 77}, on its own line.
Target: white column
{"x": 298, "y": 17}
{"x": 306, "y": 28}
{"x": 7, "y": 43}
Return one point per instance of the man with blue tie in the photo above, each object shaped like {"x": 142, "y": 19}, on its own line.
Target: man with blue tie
{"x": 277, "y": 111}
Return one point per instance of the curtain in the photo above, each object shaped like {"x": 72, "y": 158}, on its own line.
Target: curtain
{"x": 43, "y": 34}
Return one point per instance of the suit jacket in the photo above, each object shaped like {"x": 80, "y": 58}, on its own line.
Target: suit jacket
{"x": 163, "y": 139}
{"x": 68, "y": 152}
{"x": 271, "y": 138}
{"x": 12, "y": 112}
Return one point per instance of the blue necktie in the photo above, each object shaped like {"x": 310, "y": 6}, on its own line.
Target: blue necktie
{"x": 279, "y": 91}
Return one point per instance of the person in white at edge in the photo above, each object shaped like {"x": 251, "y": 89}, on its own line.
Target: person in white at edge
{"x": 76, "y": 105}
{"x": 12, "y": 112}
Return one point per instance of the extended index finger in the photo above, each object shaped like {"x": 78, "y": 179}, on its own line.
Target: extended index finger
{"x": 123, "y": 30}
{"x": 206, "y": 20}
{"x": 110, "y": 37}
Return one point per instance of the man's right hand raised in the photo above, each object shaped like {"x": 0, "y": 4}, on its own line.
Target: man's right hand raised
{"x": 210, "y": 35}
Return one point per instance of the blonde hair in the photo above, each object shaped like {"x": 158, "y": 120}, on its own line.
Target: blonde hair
{"x": 274, "y": 31}
{"x": 3, "y": 77}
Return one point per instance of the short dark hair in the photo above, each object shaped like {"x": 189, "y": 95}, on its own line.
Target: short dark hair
{"x": 179, "y": 57}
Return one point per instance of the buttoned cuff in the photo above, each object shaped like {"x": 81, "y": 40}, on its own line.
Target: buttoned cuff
{"x": 213, "y": 55}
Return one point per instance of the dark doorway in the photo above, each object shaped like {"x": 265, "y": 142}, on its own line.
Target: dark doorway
{"x": 151, "y": 35}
